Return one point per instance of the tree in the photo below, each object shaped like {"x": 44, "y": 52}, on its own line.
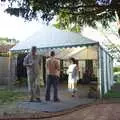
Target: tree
{"x": 64, "y": 21}
{"x": 6, "y": 41}
{"x": 79, "y": 12}
{"x": 114, "y": 50}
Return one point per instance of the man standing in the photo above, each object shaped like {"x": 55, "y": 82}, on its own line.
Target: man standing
{"x": 33, "y": 63}
{"x": 53, "y": 70}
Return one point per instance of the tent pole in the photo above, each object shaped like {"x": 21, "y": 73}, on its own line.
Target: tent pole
{"x": 99, "y": 90}
{"x": 9, "y": 69}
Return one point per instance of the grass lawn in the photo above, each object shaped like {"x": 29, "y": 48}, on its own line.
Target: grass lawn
{"x": 112, "y": 94}
{"x": 9, "y": 96}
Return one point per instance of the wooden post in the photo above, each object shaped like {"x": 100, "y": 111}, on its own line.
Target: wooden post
{"x": 44, "y": 70}
{"x": 10, "y": 70}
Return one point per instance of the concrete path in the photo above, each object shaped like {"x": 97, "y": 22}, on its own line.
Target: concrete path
{"x": 52, "y": 106}
{"x": 67, "y": 102}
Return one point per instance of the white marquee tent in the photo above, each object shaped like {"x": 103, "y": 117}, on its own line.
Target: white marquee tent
{"x": 67, "y": 44}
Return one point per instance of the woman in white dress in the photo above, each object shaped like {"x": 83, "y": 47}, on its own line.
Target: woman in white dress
{"x": 72, "y": 76}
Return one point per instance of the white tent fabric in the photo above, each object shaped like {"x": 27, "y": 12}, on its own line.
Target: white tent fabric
{"x": 50, "y": 37}
{"x": 105, "y": 71}
{"x": 80, "y": 53}
{"x": 68, "y": 44}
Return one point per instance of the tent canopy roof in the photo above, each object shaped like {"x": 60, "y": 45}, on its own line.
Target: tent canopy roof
{"x": 50, "y": 37}
{"x": 80, "y": 53}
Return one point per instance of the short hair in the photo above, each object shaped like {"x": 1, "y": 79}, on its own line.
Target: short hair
{"x": 33, "y": 48}
{"x": 119, "y": 31}
{"x": 52, "y": 53}
{"x": 73, "y": 60}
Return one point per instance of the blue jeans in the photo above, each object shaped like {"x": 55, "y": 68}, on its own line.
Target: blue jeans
{"x": 52, "y": 80}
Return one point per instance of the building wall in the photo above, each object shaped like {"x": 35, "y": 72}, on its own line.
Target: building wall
{"x": 4, "y": 70}
{"x": 12, "y": 69}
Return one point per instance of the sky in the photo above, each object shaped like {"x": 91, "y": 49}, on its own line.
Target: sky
{"x": 14, "y": 27}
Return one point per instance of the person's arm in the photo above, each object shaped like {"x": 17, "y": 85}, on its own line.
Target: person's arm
{"x": 77, "y": 72}
{"x": 40, "y": 60}
{"x": 57, "y": 65}
{"x": 26, "y": 62}
{"x": 68, "y": 70}
{"x": 47, "y": 66}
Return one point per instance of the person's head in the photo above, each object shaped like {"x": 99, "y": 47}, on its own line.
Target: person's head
{"x": 52, "y": 53}
{"x": 33, "y": 50}
{"x": 72, "y": 60}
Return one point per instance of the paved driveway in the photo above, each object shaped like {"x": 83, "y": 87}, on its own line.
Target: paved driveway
{"x": 95, "y": 112}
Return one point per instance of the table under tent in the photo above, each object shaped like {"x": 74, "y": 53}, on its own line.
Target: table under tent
{"x": 95, "y": 64}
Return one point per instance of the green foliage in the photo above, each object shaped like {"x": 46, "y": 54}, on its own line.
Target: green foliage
{"x": 114, "y": 50}
{"x": 112, "y": 94}
{"x": 116, "y": 69}
{"x": 4, "y": 54}
{"x": 6, "y": 41}
{"x": 118, "y": 80}
{"x": 3, "y": 41}
{"x": 73, "y": 11}
{"x": 119, "y": 31}
{"x": 8, "y": 96}
{"x": 67, "y": 22}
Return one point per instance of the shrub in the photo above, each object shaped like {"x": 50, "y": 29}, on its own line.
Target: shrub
{"x": 116, "y": 69}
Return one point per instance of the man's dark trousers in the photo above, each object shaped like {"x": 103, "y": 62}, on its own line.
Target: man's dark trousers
{"x": 52, "y": 80}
